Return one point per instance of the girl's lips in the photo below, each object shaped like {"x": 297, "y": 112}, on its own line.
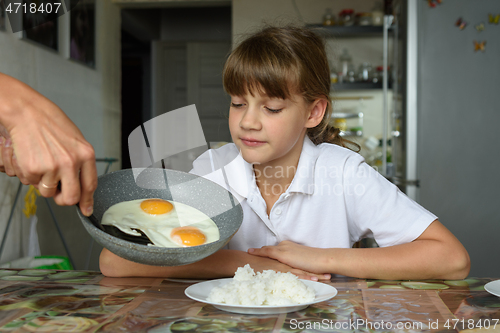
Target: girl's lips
{"x": 252, "y": 142}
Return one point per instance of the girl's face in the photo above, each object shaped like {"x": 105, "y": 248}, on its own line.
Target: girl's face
{"x": 270, "y": 131}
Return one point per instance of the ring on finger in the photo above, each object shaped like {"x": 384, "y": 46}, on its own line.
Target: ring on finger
{"x": 48, "y": 187}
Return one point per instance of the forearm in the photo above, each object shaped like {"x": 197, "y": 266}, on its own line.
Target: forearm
{"x": 223, "y": 263}
{"x": 20, "y": 104}
{"x": 435, "y": 254}
{"x": 12, "y": 92}
{"x": 421, "y": 259}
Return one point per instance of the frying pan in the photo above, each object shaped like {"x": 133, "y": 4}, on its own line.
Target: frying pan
{"x": 200, "y": 193}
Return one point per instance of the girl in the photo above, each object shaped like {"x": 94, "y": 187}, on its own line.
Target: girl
{"x": 308, "y": 198}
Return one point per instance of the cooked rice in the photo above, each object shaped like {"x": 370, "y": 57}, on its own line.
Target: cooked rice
{"x": 266, "y": 288}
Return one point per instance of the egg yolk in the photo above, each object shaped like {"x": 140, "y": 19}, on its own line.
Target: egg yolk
{"x": 156, "y": 206}
{"x": 188, "y": 236}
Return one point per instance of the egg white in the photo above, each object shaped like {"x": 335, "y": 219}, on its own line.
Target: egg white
{"x": 128, "y": 215}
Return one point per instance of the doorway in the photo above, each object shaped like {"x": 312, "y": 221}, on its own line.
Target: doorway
{"x": 194, "y": 42}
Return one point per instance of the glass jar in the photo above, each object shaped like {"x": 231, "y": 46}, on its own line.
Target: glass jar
{"x": 380, "y": 71}
{"x": 340, "y": 123}
{"x": 346, "y": 17}
{"x": 377, "y": 17}
{"x": 364, "y": 19}
{"x": 351, "y": 74}
{"x": 334, "y": 78}
{"x": 365, "y": 72}
{"x": 328, "y": 17}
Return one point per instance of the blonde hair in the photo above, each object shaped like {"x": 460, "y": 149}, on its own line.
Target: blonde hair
{"x": 281, "y": 61}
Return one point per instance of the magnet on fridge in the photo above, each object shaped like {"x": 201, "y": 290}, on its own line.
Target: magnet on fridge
{"x": 461, "y": 23}
{"x": 493, "y": 19}
{"x": 479, "y": 46}
{"x": 480, "y": 27}
{"x": 433, "y": 3}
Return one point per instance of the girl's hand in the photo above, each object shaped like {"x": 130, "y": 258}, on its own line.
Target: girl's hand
{"x": 263, "y": 263}
{"x": 310, "y": 276}
{"x": 292, "y": 254}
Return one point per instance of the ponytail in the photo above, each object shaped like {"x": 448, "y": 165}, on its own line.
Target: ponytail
{"x": 331, "y": 134}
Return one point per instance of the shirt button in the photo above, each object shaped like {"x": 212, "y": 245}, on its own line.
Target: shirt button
{"x": 277, "y": 211}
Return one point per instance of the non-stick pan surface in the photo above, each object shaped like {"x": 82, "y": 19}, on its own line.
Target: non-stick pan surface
{"x": 198, "y": 192}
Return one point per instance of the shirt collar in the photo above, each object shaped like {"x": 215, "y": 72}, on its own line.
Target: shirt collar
{"x": 241, "y": 176}
{"x": 303, "y": 181}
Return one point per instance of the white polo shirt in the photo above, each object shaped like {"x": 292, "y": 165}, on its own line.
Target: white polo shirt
{"x": 334, "y": 200}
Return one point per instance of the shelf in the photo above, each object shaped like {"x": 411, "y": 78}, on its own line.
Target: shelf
{"x": 350, "y": 98}
{"x": 348, "y": 31}
{"x": 351, "y": 133}
{"x": 347, "y": 115}
{"x": 355, "y": 86}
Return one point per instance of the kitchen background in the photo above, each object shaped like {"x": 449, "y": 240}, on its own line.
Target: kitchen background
{"x": 151, "y": 57}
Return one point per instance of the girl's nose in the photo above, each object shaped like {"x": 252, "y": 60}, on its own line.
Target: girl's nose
{"x": 250, "y": 119}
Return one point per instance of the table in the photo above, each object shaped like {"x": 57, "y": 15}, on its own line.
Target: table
{"x": 69, "y": 301}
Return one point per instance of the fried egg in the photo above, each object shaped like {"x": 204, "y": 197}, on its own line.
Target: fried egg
{"x": 166, "y": 223}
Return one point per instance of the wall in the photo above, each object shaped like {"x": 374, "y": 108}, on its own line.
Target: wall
{"x": 90, "y": 97}
{"x": 250, "y": 15}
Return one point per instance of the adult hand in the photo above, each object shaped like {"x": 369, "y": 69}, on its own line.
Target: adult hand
{"x": 42, "y": 147}
{"x": 295, "y": 255}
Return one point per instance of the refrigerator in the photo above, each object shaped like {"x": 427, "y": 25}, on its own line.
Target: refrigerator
{"x": 445, "y": 116}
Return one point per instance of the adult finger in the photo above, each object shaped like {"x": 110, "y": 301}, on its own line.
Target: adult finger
{"x": 70, "y": 188}
{"x": 2, "y": 168}
{"x": 19, "y": 172}
{"x": 88, "y": 181}
{"x": 47, "y": 185}
{"x": 7, "y": 152}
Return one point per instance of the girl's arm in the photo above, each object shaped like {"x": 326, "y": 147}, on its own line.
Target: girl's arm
{"x": 220, "y": 264}
{"x": 435, "y": 254}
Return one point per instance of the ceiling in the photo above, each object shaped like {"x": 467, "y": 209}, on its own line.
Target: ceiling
{"x": 170, "y": 3}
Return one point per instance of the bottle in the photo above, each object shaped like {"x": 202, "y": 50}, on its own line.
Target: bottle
{"x": 328, "y": 17}
{"x": 345, "y": 61}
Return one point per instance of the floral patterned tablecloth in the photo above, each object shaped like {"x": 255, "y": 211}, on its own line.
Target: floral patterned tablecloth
{"x": 79, "y": 301}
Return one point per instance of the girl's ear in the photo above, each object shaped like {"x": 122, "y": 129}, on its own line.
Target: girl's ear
{"x": 316, "y": 112}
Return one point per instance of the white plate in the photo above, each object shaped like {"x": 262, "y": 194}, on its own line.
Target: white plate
{"x": 493, "y": 287}
{"x": 200, "y": 291}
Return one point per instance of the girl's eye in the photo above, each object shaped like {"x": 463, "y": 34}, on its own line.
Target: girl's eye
{"x": 273, "y": 110}
{"x": 236, "y": 105}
